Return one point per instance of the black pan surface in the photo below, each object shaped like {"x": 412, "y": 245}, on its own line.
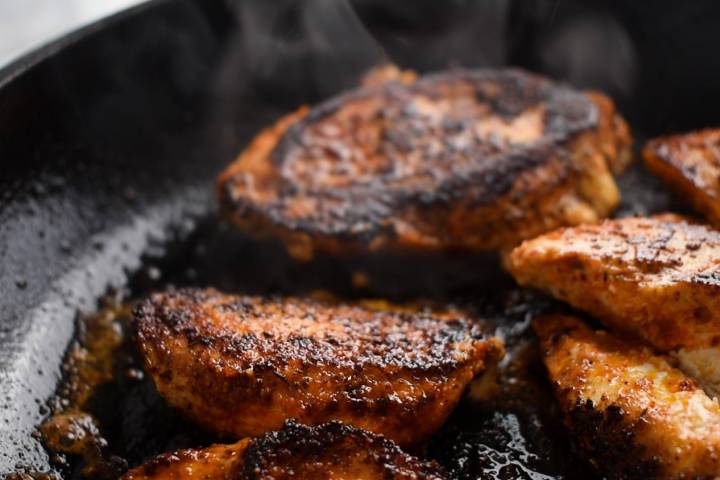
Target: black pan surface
{"x": 110, "y": 138}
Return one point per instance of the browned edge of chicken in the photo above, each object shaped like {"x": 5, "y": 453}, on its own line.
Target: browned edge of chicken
{"x": 689, "y": 164}
{"x": 627, "y": 409}
{"x": 466, "y": 159}
{"x": 657, "y": 278}
{"x": 216, "y": 462}
{"x": 241, "y": 365}
{"x": 332, "y": 450}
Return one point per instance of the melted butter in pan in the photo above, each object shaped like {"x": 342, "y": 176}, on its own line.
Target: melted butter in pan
{"x": 72, "y": 429}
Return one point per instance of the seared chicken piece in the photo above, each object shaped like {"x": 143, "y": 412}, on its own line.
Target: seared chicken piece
{"x": 332, "y": 451}
{"x": 632, "y": 413}
{"x": 217, "y": 462}
{"x": 656, "y": 278}
{"x": 240, "y": 366}
{"x": 467, "y": 159}
{"x": 690, "y": 164}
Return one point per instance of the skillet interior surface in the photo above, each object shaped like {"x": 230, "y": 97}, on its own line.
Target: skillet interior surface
{"x": 110, "y": 138}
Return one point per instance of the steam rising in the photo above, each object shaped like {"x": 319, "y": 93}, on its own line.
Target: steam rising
{"x": 590, "y": 50}
{"x": 299, "y": 50}
{"x": 293, "y": 51}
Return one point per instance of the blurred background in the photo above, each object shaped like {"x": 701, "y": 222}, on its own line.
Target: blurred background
{"x": 27, "y": 24}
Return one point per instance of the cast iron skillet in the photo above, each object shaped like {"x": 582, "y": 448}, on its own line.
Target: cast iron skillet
{"x": 110, "y": 138}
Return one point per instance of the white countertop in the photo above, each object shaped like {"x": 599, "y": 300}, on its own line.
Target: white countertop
{"x": 28, "y": 24}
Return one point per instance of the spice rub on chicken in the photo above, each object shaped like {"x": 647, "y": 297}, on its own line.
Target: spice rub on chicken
{"x": 329, "y": 451}
{"x": 690, "y": 164}
{"x": 656, "y": 278}
{"x": 629, "y": 410}
{"x": 241, "y": 365}
{"x": 466, "y": 159}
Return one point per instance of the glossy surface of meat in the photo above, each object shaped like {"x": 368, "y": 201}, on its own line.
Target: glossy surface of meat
{"x": 690, "y": 165}
{"x": 332, "y": 451}
{"x": 629, "y": 410}
{"x": 217, "y": 462}
{"x": 657, "y": 278}
{"x": 240, "y": 365}
{"x": 472, "y": 160}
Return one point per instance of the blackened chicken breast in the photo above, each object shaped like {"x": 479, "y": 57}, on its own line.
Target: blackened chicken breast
{"x": 241, "y": 365}
{"x": 690, "y": 165}
{"x": 470, "y": 160}
{"x": 655, "y": 278}
{"x": 629, "y": 410}
{"x": 331, "y": 451}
